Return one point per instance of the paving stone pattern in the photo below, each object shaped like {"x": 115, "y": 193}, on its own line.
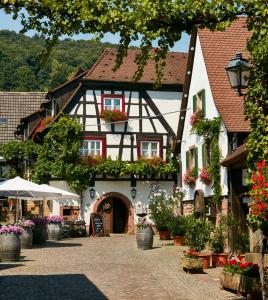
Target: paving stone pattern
{"x": 105, "y": 268}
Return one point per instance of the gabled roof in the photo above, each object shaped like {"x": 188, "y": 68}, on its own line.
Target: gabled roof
{"x": 103, "y": 69}
{"x": 13, "y": 107}
{"x": 218, "y": 48}
{"x": 238, "y": 155}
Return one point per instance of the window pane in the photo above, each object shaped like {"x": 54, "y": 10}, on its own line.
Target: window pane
{"x": 92, "y": 145}
{"x": 154, "y": 146}
{"x": 154, "y": 153}
{"x": 117, "y": 104}
{"x": 144, "y": 153}
{"x": 144, "y": 145}
{"x": 108, "y": 102}
{"x": 97, "y": 145}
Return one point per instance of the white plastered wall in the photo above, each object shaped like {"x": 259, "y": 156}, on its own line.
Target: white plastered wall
{"x": 199, "y": 82}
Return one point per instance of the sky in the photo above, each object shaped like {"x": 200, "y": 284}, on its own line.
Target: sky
{"x": 6, "y": 22}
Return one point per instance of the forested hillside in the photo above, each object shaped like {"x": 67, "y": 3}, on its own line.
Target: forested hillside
{"x": 20, "y": 61}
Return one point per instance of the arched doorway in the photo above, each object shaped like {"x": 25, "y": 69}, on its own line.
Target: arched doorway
{"x": 117, "y": 213}
{"x": 199, "y": 203}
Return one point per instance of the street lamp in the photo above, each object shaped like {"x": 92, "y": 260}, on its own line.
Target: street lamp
{"x": 92, "y": 193}
{"x": 133, "y": 192}
{"x": 238, "y": 73}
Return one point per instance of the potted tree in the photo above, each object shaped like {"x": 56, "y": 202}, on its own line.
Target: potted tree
{"x": 26, "y": 237}
{"x": 10, "y": 243}
{"x": 198, "y": 232}
{"x": 219, "y": 258}
{"x": 177, "y": 228}
{"x": 161, "y": 207}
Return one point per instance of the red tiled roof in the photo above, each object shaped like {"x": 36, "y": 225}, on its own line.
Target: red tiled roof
{"x": 218, "y": 48}
{"x": 13, "y": 107}
{"x": 174, "y": 71}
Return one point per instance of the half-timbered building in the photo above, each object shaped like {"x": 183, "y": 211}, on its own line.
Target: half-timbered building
{"x": 148, "y": 131}
{"x": 207, "y": 90}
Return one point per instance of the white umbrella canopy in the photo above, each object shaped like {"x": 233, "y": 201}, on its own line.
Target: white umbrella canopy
{"x": 21, "y": 188}
{"x": 64, "y": 194}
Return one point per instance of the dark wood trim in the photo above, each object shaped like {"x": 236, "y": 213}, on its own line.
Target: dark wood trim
{"x": 137, "y": 179}
{"x": 125, "y": 129}
{"x": 151, "y": 119}
{"x": 127, "y": 133}
{"x": 140, "y": 113}
{"x": 132, "y": 148}
{"x": 129, "y": 86}
{"x": 97, "y": 111}
{"x": 156, "y": 111}
{"x": 76, "y": 110}
{"x": 90, "y": 102}
{"x": 185, "y": 93}
{"x": 84, "y": 112}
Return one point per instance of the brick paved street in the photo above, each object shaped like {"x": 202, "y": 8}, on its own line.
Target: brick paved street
{"x": 105, "y": 268}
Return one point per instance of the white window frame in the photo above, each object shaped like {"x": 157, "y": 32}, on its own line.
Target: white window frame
{"x": 112, "y": 103}
{"x": 86, "y": 151}
{"x": 150, "y": 149}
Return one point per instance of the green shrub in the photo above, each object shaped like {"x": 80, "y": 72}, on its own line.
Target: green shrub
{"x": 177, "y": 225}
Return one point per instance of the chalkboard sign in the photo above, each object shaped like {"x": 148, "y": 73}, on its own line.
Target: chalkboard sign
{"x": 97, "y": 224}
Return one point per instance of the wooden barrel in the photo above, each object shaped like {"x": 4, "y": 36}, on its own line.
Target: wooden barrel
{"x": 26, "y": 238}
{"x": 39, "y": 234}
{"x": 10, "y": 247}
{"x": 54, "y": 231}
{"x": 145, "y": 238}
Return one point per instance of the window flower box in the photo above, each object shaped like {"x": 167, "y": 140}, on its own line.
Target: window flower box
{"x": 114, "y": 116}
{"x": 189, "y": 177}
{"x": 205, "y": 176}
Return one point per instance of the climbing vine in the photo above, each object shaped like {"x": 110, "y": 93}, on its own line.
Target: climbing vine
{"x": 209, "y": 129}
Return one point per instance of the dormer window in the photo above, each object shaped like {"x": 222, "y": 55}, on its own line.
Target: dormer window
{"x": 112, "y": 102}
{"x": 199, "y": 102}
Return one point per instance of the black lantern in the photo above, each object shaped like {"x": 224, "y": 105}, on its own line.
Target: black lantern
{"x": 238, "y": 72}
{"x": 133, "y": 192}
{"x": 92, "y": 193}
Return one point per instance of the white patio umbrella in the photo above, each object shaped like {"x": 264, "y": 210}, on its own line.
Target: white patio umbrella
{"x": 64, "y": 194}
{"x": 20, "y": 188}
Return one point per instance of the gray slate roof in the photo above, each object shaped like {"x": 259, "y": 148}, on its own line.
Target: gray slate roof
{"x": 13, "y": 107}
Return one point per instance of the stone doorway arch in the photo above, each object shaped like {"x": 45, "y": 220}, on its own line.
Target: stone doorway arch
{"x": 129, "y": 226}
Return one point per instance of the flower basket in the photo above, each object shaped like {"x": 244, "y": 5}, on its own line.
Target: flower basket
{"x": 189, "y": 177}
{"x": 192, "y": 265}
{"x": 196, "y": 117}
{"x": 205, "y": 176}
{"x": 240, "y": 283}
{"x": 114, "y": 115}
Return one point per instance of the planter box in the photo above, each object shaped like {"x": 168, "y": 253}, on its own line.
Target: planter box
{"x": 219, "y": 259}
{"x": 179, "y": 240}
{"x": 206, "y": 260}
{"x": 192, "y": 265}
{"x": 240, "y": 284}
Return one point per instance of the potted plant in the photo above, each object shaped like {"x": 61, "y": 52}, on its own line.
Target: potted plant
{"x": 205, "y": 176}
{"x": 190, "y": 176}
{"x": 39, "y": 230}
{"x": 26, "y": 237}
{"x": 219, "y": 258}
{"x": 198, "y": 232}
{"x": 242, "y": 278}
{"x": 177, "y": 228}
{"x": 161, "y": 207}
{"x": 10, "y": 242}
{"x": 191, "y": 262}
{"x": 144, "y": 235}
{"x": 114, "y": 115}
{"x": 54, "y": 227}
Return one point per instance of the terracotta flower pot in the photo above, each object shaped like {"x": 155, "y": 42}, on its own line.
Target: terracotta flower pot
{"x": 179, "y": 240}
{"x": 219, "y": 259}
{"x": 164, "y": 235}
{"x": 206, "y": 258}
{"x": 192, "y": 265}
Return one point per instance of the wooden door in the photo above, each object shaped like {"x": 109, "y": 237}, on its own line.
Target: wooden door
{"x": 107, "y": 216}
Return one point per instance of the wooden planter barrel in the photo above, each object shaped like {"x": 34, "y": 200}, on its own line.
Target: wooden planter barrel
{"x": 179, "y": 240}
{"x": 40, "y": 234}
{"x": 164, "y": 235}
{"x": 240, "y": 284}
{"x": 219, "y": 259}
{"x": 145, "y": 238}
{"x": 54, "y": 231}
{"x": 10, "y": 247}
{"x": 192, "y": 265}
{"x": 26, "y": 238}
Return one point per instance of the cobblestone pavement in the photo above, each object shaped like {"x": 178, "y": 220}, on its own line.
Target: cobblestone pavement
{"x": 105, "y": 268}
